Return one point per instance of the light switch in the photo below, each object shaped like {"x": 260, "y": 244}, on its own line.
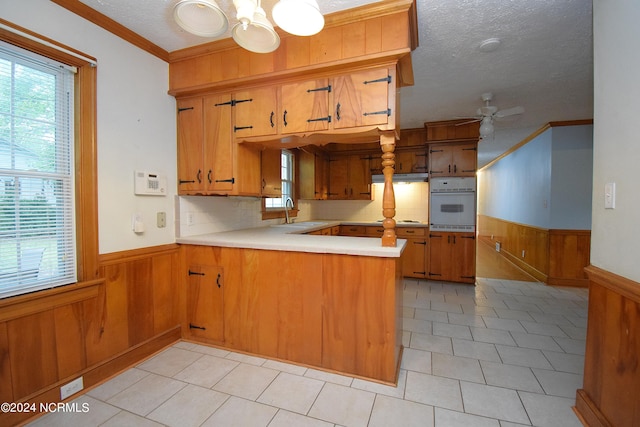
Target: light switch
{"x": 610, "y": 195}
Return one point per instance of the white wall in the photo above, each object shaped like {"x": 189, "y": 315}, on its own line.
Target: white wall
{"x": 136, "y": 121}
{"x": 616, "y": 233}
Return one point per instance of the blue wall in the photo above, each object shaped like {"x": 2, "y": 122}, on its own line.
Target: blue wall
{"x": 546, "y": 183}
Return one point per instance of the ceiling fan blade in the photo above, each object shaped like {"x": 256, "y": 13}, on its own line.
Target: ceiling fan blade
{"x": 509, "y": 112}
{"x": 468, "y": 121}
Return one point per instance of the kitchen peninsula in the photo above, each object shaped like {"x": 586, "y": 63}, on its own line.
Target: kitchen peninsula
{"x": 330, "y": 302}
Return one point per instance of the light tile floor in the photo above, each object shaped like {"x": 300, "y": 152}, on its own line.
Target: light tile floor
{"x": 502, "y": 353}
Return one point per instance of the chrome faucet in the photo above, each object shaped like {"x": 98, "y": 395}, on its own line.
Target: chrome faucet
{"x": 287, "y": 201}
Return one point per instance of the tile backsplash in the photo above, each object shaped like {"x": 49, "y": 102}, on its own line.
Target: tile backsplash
{"x": 201, "y": 214}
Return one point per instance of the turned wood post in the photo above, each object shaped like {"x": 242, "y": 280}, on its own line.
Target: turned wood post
{"x": 388, "y": 144}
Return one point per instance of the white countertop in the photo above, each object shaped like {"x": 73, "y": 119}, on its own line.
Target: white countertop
{"x": 290, "y": 237}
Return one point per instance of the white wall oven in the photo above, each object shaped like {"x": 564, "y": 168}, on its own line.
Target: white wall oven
{"x": 452, "y": 204}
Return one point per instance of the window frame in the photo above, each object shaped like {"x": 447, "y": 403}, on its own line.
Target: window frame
{"x": 85, "y": 149}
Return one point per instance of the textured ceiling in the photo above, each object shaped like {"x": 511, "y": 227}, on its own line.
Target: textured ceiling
{"x": 544, "y": 62}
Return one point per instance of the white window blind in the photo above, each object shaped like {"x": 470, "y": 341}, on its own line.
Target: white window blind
{"x": 37, "y": 232}
{"x": 286, "y": 175}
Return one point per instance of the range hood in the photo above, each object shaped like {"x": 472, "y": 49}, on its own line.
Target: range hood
{"x": 402, "y": 177}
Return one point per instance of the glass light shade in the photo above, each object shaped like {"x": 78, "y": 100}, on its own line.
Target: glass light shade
{"x": 203, "y": 18}
{"x": 259, "y": 36}
{"x": 298, "y": 17}
{"x": 486, "y": 128}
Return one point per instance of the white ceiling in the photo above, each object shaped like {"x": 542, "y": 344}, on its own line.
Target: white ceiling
{"x": 544, "y": 62}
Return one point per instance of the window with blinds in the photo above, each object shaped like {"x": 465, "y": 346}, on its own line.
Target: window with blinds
{"x": 37, "y": 233}
{"x": 286, "y": 174}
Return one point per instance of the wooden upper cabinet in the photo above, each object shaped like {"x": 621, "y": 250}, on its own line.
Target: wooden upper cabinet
{"x": 209, "y": 160}
{"x": 452, "y": 130}
{"x": 305, "y": 106}
{"x": 339, "y": 178}
{"x": 349, "y": 178}
{"x": 218, "y": 143}
{"x": 453, "y": 159}
{"x": 362, "y": 99}
{"x": 359, "y": 178}
{"x": 255, "y": 112}
{"x": 190, "y": 145}
{"x": 362, "y": 35}
{"x": 271, "y": 173}
{"x": 313, "y": 175}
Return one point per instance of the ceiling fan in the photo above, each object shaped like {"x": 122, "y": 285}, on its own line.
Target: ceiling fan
{"x": 487, "y": 113}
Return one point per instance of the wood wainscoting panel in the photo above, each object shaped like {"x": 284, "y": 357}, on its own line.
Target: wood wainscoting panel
{"x": 32, "y": 345}
{"x": 555, "y": 257}
{"x": 71, "y": 357}
{"x": 90, "y": 329}
{"x": 518, "y": 239}
{"x": 609, "y": 396}
{"x": 6, "y": 392}
{"x": 569, "y": 254}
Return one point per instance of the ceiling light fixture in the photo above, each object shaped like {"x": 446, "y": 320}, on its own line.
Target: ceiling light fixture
{"x": 203, "y": 18}
{"x": 253, "y": 31}
{"x": 298, "y": 17}
{"x": 486, "y": 127}
{"x": 489, "y": 45}
{"x": 255, "y": 34}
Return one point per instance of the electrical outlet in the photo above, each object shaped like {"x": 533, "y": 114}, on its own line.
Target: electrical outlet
{"x": 161, "y": 219}
{"x": 71, "y": 388}
{"x": 189, "y": 218}
{"x": 498, "y": 246}
{"x": 523, "y": 253}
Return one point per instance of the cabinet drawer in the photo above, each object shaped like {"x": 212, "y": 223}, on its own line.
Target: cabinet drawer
{"x": 375, "y": 231}
{"x": 353, "y": 230}
{"x": 411, "y": 232}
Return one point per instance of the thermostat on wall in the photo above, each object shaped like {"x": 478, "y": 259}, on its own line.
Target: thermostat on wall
{"x": 150, "y": 184}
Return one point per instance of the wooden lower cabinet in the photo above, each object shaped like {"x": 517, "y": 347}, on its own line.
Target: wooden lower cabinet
{"x": 415, "y": 258}
{"x": 205, "y": 301}
{"x": 452, "y": 257}
{"x": 353, "y": 230}
{"x": 415, "y": 255}
{"x": 205, "y": 286}
{"x": 336, "y": 312}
